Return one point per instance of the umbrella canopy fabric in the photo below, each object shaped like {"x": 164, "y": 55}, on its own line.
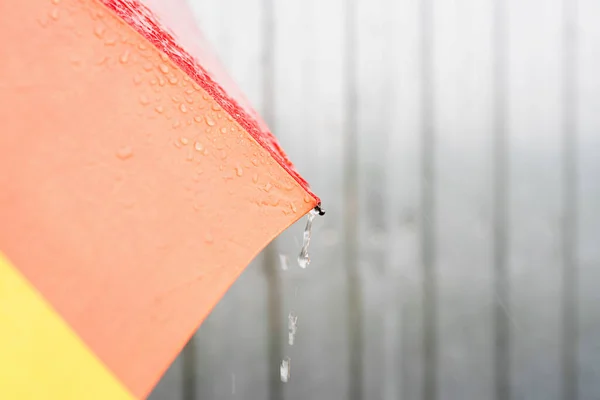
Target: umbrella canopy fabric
{"x": 137, "y": 184}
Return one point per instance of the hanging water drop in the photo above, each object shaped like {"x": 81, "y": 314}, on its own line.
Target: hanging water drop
{"x": 303, "y": 257}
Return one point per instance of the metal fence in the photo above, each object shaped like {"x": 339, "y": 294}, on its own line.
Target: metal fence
{"x": 456, "y": 147}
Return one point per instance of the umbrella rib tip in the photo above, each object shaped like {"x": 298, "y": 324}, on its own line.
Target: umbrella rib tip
{"x": 319, "y": 210}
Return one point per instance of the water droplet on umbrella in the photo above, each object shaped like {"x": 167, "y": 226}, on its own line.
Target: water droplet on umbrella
{"x": 124, "y": 57}
{"x": 209, "y": 121}
{"x": 183, "y": 108}
{"x": 125, "y": 152}
{"x": 163, "y": 68}
{"x": 99, "y": 31}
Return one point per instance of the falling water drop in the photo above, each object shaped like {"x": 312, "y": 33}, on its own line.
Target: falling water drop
{"x": 292, "y": 328}
{"x": 284, "y": 262}
{"x": 284, "y": 370}
{"x": 303, "y": 257}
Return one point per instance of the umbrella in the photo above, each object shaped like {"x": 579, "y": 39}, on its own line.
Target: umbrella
{"x": 137, "y": 183}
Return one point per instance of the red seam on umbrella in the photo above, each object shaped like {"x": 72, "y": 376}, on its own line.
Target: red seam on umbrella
{"x": 145, "y": 22}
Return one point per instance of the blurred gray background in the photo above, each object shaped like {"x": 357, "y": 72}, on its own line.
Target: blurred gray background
{"x": 456, "y": 147}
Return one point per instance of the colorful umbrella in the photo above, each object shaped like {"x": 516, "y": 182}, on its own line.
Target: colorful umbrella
{"x": 136, "y": 186}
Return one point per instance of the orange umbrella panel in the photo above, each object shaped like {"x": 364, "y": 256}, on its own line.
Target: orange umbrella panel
{"x": 135, "y": 189}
